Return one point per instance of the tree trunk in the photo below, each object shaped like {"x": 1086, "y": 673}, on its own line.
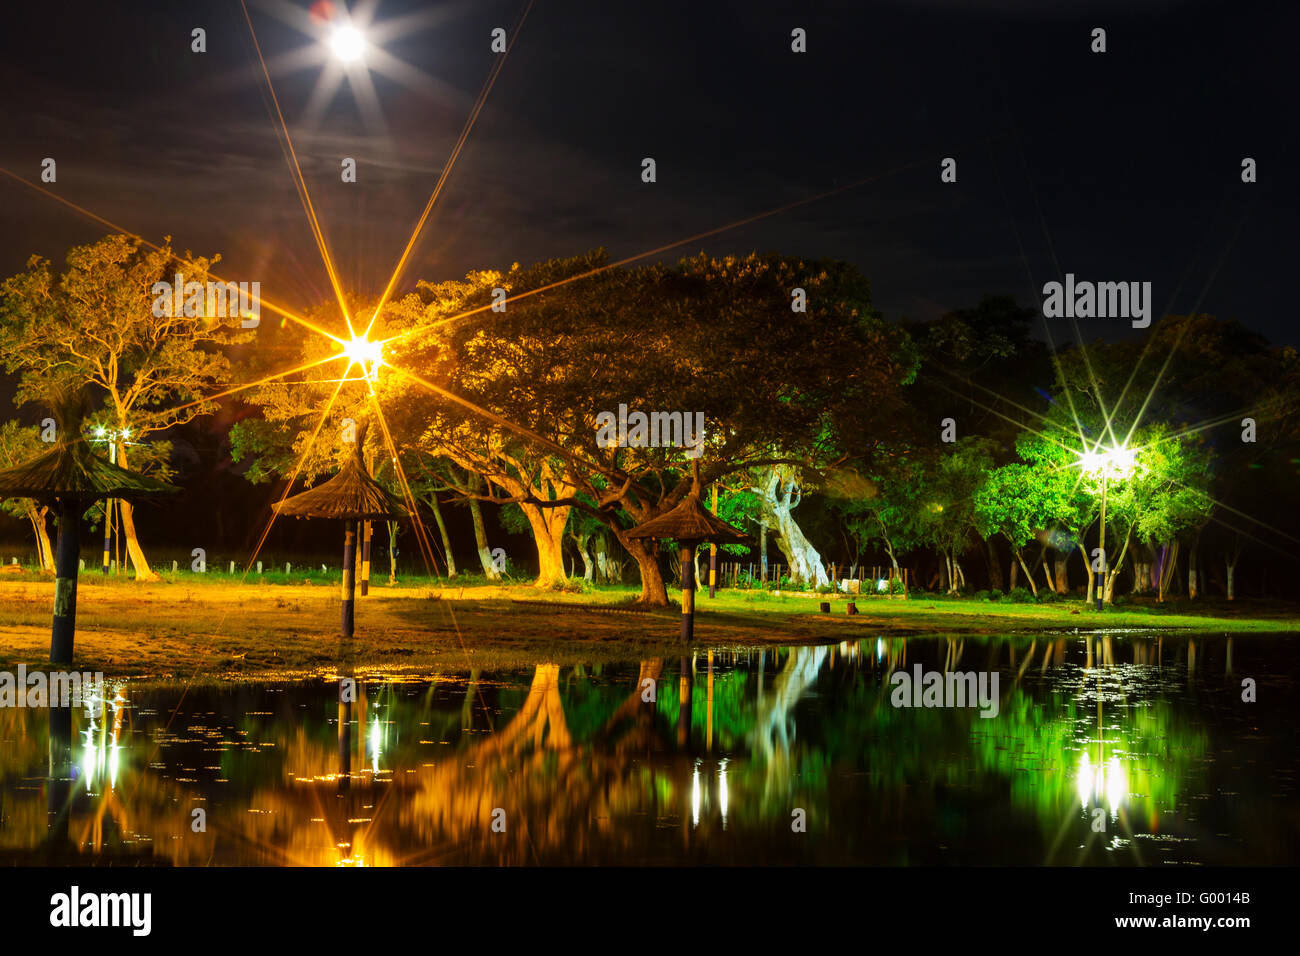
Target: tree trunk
{"x": 588, "y": 565}
{"x": 1033, "y": 588}
{"x": 1013, "y": 573}
{"x": 392, "y": 553}
{"x": 442, "y": 533}
{"x": 954, "y": 572}
{"x": 1112, "y": 574}
{"x": 995, "y": 569}
{"x": 44, "y": 553}
{"x": 1231, "y": 563}
{"x": 1175, "y": 582}
{"x": 605, "y": 566}
{"x": 804, "y": 560}
{"x": 1167, "y": 567}
{"x": 138, "y": 561}
{"x": 1192, "y": 582}
{"x": 762, "y": 551}
{"x": 893, "y": 558}
{"x": 1047, "y": 570}
{"x": 1141, "y": 574}
{"x": 480, "y": 538}
{"x": 779, "y": 495}
{"x": 1090, "y": 576}
{"x": 1062, "y": 573}
{"x": 548, "y": 534}
{"x": 654, "y": 592}
{"x": 141, "y": 564}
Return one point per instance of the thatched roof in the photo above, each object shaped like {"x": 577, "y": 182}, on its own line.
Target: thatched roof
{"x": 70, "y": 470}
{"x": 689, "y": 522}
{"x": 350, "y": 494}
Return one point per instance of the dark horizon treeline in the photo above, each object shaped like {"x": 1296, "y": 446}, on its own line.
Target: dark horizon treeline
{"x": 981, "y": 366}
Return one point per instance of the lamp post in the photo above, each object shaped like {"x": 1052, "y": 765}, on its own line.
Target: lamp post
{"x": 1101, "y": 564}
{"x": 1119, "y": 461}
{"x": 111, "y": 436}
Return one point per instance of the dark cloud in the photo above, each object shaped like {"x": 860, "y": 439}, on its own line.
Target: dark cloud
{"x": 1122, "y": 165}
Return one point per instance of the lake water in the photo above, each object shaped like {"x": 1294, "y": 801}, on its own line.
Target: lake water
{"x": 1105, "y": 750}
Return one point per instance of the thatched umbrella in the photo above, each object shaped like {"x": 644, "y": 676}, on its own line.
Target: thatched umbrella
{"x": 69, "y": 477}
{"x": 689, "y": 524}
{"x": 351, "y": 495}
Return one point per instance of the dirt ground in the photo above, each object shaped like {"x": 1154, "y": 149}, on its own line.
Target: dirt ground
{"x": 214, "y": 631}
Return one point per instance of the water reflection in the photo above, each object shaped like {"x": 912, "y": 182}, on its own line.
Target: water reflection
{"x": 705, "y": 758}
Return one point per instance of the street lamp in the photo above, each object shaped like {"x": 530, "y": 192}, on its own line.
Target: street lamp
{"x": 367, "y": 354}
{"x": 111, "y": 436}
{"x": 1116, "y": 462}
{"x": 347, "y": 43}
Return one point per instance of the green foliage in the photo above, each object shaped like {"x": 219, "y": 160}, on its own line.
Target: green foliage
{"x": 951, "y": 485}
{"x": 18, "y": 443}
{"x": 512, "y": 519}
{"x": 94, "y": 324}
{"x": 558, "y": 358}
{"x": 300, "y": 428}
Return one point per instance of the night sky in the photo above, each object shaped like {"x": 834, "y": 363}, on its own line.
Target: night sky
{"x": 1122, "y": 166}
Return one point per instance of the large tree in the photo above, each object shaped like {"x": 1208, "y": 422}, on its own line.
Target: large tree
{"x": 95, "y": 324}
{"x": 776, "y": 386}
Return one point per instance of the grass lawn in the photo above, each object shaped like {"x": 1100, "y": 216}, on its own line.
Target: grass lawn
{"x": 213, "y": 626}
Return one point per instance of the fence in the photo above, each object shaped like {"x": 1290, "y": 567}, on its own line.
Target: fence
{"x": 884, "y": 580}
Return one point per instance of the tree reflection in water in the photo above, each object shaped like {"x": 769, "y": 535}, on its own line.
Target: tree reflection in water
{"x": 661, "y": 763}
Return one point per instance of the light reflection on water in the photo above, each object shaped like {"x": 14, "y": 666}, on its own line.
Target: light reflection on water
{"x": 1105, "y": 750}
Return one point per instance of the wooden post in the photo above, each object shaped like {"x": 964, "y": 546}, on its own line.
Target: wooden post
{"x": 62, "y": 764}
{"x": 365, "y": 557}
{"x": 684, "y": 704}
{"x": 68, "y": 549}
{"x": 108, "y": 532}
{"x": 345, "y": 743}
{"x": 708, "y": 730}
{"x": 349, "y": 578}
{"x": 713, "y": 552}
{"x": 688, "y": 592}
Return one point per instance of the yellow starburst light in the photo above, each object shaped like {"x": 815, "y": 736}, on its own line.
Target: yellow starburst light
{"x": 367, "y": 354}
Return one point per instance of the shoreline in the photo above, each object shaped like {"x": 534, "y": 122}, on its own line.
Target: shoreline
{"x": 222, "y": 631}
